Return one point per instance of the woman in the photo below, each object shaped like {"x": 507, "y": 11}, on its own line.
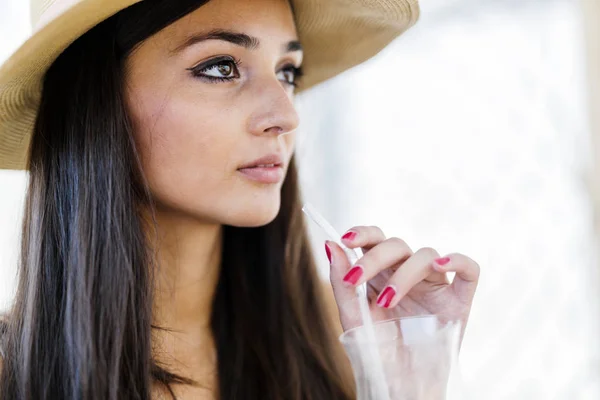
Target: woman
{"x": 164, "y": 253}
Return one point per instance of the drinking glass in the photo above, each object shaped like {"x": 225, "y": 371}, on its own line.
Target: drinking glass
{"x": 411, "y": 358}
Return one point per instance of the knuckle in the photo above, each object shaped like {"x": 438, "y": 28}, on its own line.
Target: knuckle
{"x": 397, "y": 242}
{"x": 471, "y": 264}
{"x": 474, "y": 266}
{"x": 358, "y": 228}
{"x": 377, "y": 230}
{"x": 372, "y": 258}
{"x": 429, "y": 252}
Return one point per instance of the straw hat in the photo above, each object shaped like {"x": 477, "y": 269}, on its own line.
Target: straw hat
{"x": 335, "y": 34}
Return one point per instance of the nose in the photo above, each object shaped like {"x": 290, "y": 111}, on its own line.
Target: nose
{"x": 273, "y": 110}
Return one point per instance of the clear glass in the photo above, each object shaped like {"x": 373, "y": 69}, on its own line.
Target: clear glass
{"x": 418, "y": 357}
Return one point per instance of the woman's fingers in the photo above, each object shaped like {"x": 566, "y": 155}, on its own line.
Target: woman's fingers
{"x": 422, "y": 272}
{"x": 467, "y": 274}
{"x": 416, "y": 269}
{"x": 388, "y": 254}
{"x": 345, "y": 295}
{"x": 365, "y": 237}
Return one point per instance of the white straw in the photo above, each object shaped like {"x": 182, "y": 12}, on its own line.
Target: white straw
{"x": 353, "y": 254}
{"x": 370, "y": 352}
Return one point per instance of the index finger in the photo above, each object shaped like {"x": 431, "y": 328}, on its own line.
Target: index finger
{"x": 365, "y": 237}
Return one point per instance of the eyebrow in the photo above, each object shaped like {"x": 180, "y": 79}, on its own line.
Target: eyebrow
{"x": 237, "y": 38}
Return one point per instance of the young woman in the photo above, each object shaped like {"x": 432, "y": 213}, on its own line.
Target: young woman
{"x": 164, "y": 252}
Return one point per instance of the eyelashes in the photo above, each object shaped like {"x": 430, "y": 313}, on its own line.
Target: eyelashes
{"x": 295, "y": 72}
{"x": 226, "y": 69}
{"x": 220, "y": 69}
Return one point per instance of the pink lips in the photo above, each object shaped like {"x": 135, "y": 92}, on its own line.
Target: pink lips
{"x": 267, "y": 169}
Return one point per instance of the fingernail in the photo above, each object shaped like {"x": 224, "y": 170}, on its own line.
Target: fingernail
{"x": 328, "y": 251}
{"x": 442, "y": 261}
{"x": 354, "y": 275}
{"x": 385, "y": 298}
{"x": 350, "y": 235}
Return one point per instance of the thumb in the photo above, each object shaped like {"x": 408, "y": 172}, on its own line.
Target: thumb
{"x": 345, "y": 295}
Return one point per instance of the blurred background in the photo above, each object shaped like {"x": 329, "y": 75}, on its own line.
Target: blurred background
{"x": 475, "y": 133}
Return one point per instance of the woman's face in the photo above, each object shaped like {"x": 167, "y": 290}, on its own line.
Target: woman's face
{"x": 211, "y": 96}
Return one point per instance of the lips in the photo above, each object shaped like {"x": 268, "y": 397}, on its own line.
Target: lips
{"x": 269, "y": 161}
{"x": 266, "y": 166}
{"x": 268, "y": 169}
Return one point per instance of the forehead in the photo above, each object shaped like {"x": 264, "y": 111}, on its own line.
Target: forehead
{"x": 260, "y": 18}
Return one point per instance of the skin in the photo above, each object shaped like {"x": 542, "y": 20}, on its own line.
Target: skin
{"x": 193, "y": 136}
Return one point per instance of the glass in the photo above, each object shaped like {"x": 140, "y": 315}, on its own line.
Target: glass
{"x": 417, "y": 357}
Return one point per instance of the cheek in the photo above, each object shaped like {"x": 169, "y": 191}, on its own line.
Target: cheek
{"x": 173, "y": 132}
{"x": 185, "y": 147}
{"x": 288, "y": 143}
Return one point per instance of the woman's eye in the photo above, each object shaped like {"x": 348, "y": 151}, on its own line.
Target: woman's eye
{"x": 217, "y": 70}
{"x": 227, "y": 69}
{"x": 223, "y": 70}
{"x": 289, "y": 75}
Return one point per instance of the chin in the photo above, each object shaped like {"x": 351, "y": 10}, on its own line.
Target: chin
{"x": 253, "y": 214}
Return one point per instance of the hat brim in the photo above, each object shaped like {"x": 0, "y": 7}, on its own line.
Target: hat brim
{"x": 336, "y": 35}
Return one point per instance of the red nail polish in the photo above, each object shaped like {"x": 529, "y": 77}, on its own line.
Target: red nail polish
{"x": 350, "y": 235}
{"x": 442, "y": 261}
{"x": 354, "y": 275}
{"x": 385, "y": 298}
{"x": 328, "y": 251}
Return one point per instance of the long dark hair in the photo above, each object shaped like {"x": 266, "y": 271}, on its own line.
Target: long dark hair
{"x": 81, "y": 323}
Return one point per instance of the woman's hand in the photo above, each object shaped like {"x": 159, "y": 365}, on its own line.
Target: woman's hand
{"x": 400, "y": 283}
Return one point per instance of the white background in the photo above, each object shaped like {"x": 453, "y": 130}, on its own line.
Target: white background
{"x": 468, "y": 134}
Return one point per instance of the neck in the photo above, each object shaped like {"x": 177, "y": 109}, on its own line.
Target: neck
{"x": 188, "y": 257}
